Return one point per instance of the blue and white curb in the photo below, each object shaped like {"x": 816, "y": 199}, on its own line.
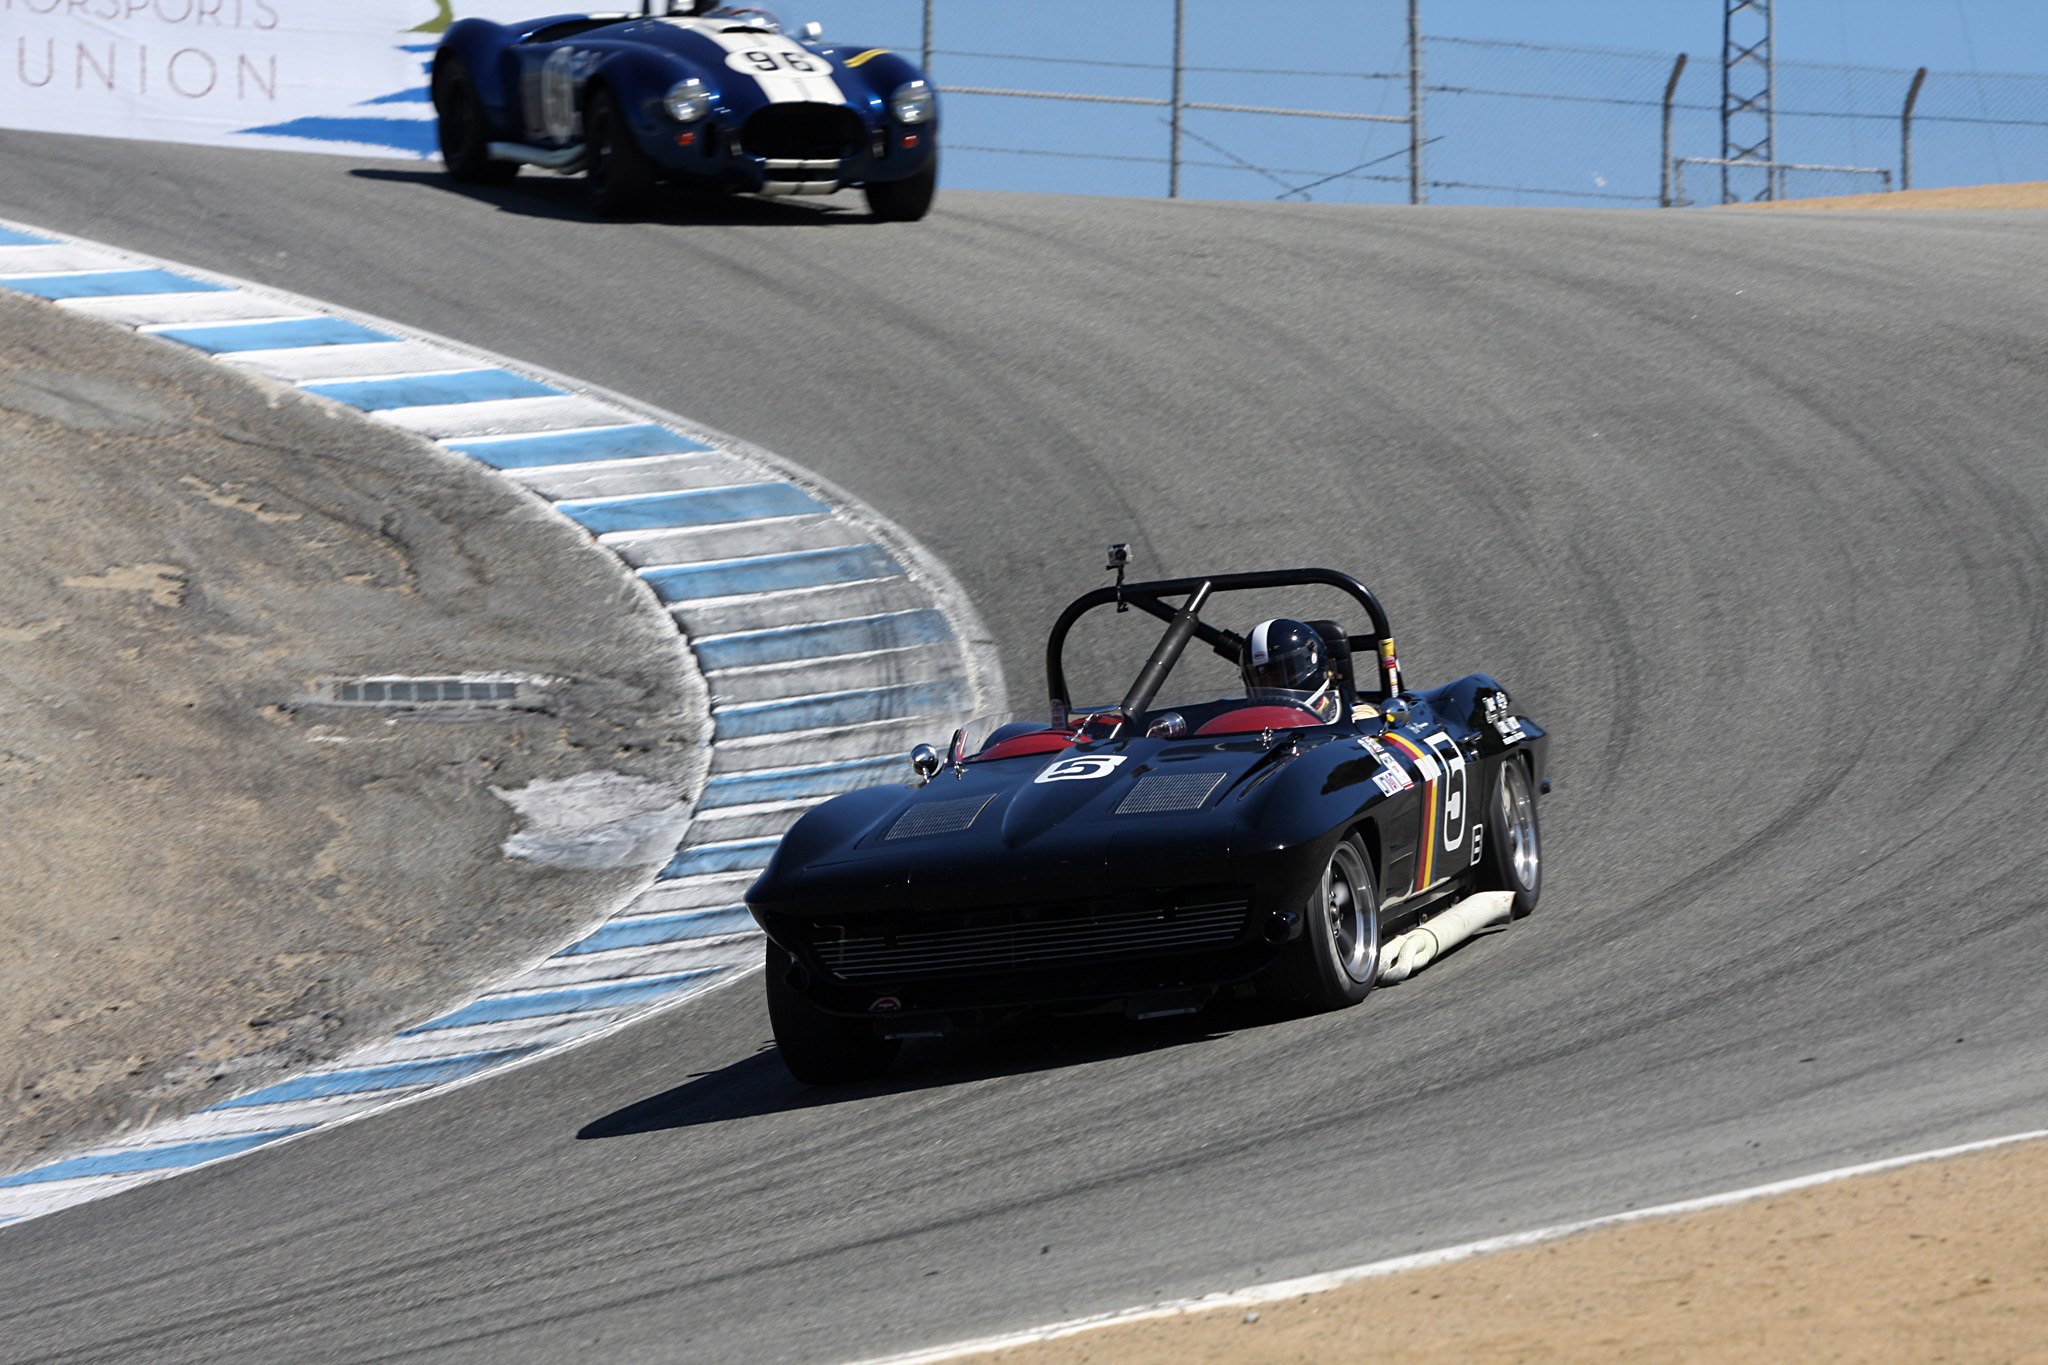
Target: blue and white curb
{"x": 830, "y": 641}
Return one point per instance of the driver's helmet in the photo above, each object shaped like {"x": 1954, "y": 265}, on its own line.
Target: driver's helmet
{"x": 1288, "y": 654}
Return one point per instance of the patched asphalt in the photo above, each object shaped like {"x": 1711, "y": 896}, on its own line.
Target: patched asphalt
{"x": 1750, "y": 509}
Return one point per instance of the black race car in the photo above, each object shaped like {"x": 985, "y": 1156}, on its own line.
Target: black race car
{"x": 1148, "y": 854}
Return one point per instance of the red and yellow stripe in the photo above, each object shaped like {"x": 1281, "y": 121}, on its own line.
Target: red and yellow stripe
{"x": 1425, "y": 853}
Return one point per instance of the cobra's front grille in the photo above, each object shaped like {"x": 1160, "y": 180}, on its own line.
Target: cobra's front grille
{"x": 1032, "y": 936}
{"x": 804, "y": 132}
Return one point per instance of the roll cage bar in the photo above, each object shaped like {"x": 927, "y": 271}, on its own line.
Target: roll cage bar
{"x": 1183, "y": 624}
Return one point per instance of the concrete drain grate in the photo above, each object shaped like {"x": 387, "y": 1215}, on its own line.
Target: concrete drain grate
{"x": 468, "y": 690}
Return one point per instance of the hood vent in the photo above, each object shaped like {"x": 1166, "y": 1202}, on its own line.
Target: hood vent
{"x": 1158, "y": 792}
{"x": 938, "y": 817}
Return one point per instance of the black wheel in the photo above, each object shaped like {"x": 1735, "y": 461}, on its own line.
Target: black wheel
{"x": 820, "y": 1048}
{"x": 905, "y": 200}
{"x": 464, "y": 129}
{"x": 620, "y": 176}
{"x": 1335, "y": 961}
{"x": 1512, "y": 859}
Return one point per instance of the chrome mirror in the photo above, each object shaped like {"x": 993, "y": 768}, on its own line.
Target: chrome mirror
{"x": 813, "y": 31}
{"x": 1397, "y": 711}
{"x": 924, "y": 761}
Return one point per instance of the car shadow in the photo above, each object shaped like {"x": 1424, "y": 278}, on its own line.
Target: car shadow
{"x": 561, "y": 197}
{"x": 758, "y": 1085}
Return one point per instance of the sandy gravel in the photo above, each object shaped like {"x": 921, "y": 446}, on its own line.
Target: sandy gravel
{"x": 1946, "y": 1261}
{"x": 205, "y": 882}
{"x": 2027, "y": 195}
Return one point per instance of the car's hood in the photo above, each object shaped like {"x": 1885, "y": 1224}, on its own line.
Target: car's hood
{"x": 1082, "y": 819}
{"x": 750, "y": 65}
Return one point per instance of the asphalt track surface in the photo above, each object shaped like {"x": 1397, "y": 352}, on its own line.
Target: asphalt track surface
{"x": 1749, "y": 509}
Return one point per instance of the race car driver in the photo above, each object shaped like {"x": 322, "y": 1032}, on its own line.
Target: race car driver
{"x": 1283, "y": 653}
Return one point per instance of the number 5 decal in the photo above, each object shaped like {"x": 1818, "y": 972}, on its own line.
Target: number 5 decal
{"x": 1080, "y": 769}
{"x": 1453, "y": 795}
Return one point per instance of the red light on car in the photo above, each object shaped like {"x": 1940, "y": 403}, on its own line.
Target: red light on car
{"x": 685, "y": 139}
{"x": 909, "y": 140}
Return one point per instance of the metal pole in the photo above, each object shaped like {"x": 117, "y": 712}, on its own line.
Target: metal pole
{"x": 1775, "y": 177}
{"x": 1906, "y": 131}
{"x": 1418, "y": 181}
{"x": 1180, "y": 17}
{"x": 928, "y": 38}
{"x": 1670, "y": 93}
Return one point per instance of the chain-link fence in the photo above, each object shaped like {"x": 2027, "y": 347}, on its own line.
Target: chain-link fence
{"x": 1502, "y": 123}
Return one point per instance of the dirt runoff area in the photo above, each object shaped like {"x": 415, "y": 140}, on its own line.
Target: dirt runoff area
{"x": 2027, "y": 195}
{"x": 1939, "y": 1261}
{"x": 209, "y": 880}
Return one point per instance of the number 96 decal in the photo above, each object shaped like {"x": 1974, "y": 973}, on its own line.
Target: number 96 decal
{"x": 1080, "y": 769}
{"x": 763, "y": 62}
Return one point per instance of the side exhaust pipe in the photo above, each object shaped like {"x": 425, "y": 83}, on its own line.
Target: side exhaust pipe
{"x": 1403, "y": 957}
{"x": 567, "y": 159}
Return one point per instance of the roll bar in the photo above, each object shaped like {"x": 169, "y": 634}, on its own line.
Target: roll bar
{"x": 1147, "y": 597}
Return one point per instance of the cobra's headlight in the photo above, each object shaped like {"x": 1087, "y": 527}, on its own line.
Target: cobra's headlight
{"x": 914, "y": 103}
{"x": 687, "y": 101}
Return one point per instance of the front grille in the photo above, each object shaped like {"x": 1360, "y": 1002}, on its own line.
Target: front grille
{"x": 1035, "y": 936}
{"x": 804, "y": 132}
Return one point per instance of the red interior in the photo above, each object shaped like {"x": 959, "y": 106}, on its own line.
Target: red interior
{"x": 1248, "y": 719}
{"x": 1038, "y": 742}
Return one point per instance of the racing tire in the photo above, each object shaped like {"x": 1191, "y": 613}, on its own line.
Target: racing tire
{"x": 820, "y": 1048}
{"x": 621, "y": 178}
{"x": 464, "y": 128}
{"x": 905, "y": 200}
{"x": 1337, "y": 958}
{"x": 1512, "y": 859}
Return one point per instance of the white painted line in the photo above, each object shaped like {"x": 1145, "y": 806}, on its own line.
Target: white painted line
{"x": 1277, "y": 1290}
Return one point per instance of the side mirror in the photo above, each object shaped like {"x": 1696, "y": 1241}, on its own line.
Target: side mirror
{"x": 812, "y": 32}
{"x": 1396, "y": 710}
{"x": 924, "y": 761}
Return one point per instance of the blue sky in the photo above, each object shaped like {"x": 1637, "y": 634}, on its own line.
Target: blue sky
{"x": 1555, "y": 152}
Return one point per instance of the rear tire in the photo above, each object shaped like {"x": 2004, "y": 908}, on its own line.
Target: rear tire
{"x": 906, "y": 200}
{"x": 820, "y": 1048}
{"x": 620, "y": 177}
{"x": 1337, "y": 958}
{"x": 464, "y": 128}
{"x": 1513, "y": 857}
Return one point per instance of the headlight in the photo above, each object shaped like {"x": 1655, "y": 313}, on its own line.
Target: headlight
{"x": 914, "y": 103}
{"x": 687, "y": 100}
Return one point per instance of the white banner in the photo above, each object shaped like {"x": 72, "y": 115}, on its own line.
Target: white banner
{"x": 344, "y": 76}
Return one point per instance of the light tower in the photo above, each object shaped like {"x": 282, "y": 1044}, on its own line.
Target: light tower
{"x": 1749, "y": 100}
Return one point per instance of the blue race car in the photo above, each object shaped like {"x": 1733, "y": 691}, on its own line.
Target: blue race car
{"x": 697, "y": 95}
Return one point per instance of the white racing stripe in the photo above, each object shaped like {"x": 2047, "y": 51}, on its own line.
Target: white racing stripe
{"x": 779, "y": 68}
{"x": 830, "y": 642}
{"x": 1279, "y": 1290}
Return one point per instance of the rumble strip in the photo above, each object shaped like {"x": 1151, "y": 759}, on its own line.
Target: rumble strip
{"x": 830, "y": 641}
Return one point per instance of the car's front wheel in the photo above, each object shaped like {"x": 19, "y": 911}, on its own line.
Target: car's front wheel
{"x": 1512, "y": 859}
{"x": 620, "y": 176}
{"x": 1335, "y": 961}
{"x": 905, "y": 200}
{"x": 464, "y": 128}
{"x": 820, "y": 1048}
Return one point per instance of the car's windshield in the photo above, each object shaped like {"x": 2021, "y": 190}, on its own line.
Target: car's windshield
{"x": 1211, "y": 714}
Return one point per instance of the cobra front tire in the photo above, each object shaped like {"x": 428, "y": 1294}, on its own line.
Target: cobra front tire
{"x": 905, "y": 200}
{"x": 620, "y": 177}
{"x": 464, "y": 129}
{"x": 1512, "y": 859}
{"x": 820, "y": 1048}
{"x": 1335, "y": 961}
